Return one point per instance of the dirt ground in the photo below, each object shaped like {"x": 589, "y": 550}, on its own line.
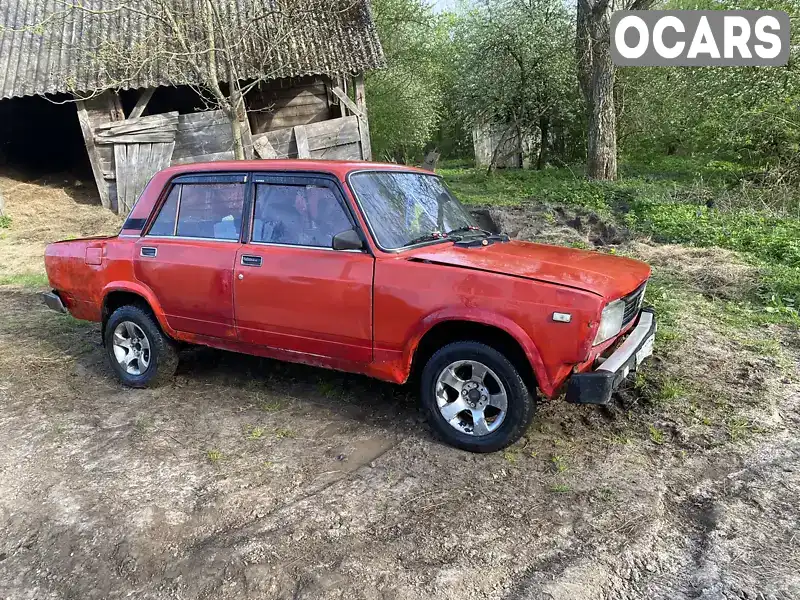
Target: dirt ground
{"x": 248, "y": 478}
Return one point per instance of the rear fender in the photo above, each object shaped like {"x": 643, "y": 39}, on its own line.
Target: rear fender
{"x": 147, "y": 295}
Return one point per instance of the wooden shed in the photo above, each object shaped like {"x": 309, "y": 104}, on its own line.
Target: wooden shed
{"x": 307, "y": 100}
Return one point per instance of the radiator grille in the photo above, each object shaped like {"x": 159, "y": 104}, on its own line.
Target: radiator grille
{"x": 633, "y": 302}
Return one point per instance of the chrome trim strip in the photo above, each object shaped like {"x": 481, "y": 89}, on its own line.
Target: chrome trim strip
{"x": 623, "y": 354}
{"x": 303, "y": 247}
{"x": 186, "y": 237}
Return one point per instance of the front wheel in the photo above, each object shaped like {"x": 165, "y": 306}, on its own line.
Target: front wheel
{"x": 139, "y": 353}
{"x": 475, "y": 398}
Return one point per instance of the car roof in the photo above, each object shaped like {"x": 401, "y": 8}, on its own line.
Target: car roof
{"x": 339, "y": 168}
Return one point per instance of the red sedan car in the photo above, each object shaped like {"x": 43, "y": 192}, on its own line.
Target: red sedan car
{"x": 362, "y": 267}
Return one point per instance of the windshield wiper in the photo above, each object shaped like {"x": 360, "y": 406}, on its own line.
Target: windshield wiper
{"x": 430, "y": 237}
{"x": 469, "y": 229}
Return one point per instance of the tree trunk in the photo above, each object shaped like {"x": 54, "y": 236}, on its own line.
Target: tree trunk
{"x": 544, "y": 130}
{"x": 236, "y": 130}
{"x": 596, "y": 75}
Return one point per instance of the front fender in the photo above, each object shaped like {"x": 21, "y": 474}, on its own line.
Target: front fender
{"x": 147, "y": 294}
{"x": 481, "y": 317}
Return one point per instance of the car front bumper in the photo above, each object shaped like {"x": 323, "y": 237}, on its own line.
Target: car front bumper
{"x": 596, "y": 387}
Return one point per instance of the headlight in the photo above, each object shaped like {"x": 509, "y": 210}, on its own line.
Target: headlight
{"x": 610, "y": 321}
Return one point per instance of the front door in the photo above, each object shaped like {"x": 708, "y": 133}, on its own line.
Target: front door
{"x": 292, "y": 290}
{"x": 187, "y": 256}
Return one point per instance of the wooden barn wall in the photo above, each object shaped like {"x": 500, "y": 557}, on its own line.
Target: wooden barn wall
{"x": 287, "y": 103}
{"x": 206, "y": 136}
{"x": 335, "y": 139}
{"x": 305, "y": 118}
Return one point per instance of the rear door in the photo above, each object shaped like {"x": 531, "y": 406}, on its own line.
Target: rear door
{"x": 292, "y": 290}
{"x": 187, "y": 256}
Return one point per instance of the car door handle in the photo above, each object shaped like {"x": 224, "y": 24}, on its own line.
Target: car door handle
{"x": 148, "y": 252}
{"x": 248, "y": 260}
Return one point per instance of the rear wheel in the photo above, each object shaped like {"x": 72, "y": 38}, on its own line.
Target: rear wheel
{"x": 139, "y": 353}
{"x": 475, "y": 398}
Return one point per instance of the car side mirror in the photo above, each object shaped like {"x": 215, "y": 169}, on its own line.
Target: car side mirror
{"x": 348, "y": 240}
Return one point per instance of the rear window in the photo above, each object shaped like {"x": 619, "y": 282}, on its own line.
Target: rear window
{"x": 202, "y": 210}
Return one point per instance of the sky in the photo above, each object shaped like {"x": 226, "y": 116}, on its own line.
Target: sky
{"x": 439, "y": 5}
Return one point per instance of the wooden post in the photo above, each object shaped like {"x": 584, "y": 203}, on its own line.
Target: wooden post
{"x": 92, "y": 112}
{"x": 363, "y": 121}
{"x": 301, "y": 138}
{"x": 141, "y": 103}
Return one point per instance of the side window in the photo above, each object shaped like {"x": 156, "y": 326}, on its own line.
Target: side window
{"x": 298, "y": 215}
{"x": 165, "y": 221}
{"x": 211, "y": 210}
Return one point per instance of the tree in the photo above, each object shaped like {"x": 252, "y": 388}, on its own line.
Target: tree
{"x": 515, "y": 66}
{"x": 596, "y": 75}
{"x": 745, "y": 114}
{"x": 406, "y": 98}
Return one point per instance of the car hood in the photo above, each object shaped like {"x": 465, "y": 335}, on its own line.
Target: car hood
{"x": 604, "y": 274}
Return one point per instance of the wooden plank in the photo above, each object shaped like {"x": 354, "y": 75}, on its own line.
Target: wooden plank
{"x": 94, "y": 160}
{"x": 335, "y": 132}
{"x": 295, "y": 100}
{"x": 201, "y": 119}
{"x": 166, "y": 121}
{"x": 138, "y": 138}
{"x": 263, "y": 148}
{"x": 345, "y": 99}
{"x": 301, "y": 139}
{"x": 262, "y": 123}
{"x": 345, "y": 152}
{"x": 227, "y": 155}
{"x": 363, "y": 121}
{"x": 114, "y": 104}
{"x": 141, "y": 103}
{"x": 206, "y": 136}
{"x": 197, "y": 142}
{"x": 120, "y": 162}
{"x": 282, "y": 140}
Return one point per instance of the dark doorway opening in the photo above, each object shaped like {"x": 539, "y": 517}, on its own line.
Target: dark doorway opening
{"x": 41, "y": 137}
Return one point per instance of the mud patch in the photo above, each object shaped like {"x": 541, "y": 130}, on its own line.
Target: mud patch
{"x": 566, "y": 226}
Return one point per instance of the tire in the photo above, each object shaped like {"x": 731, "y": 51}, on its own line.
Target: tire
{"x": 158, "y": 362}
{"x": 494, "y": 435}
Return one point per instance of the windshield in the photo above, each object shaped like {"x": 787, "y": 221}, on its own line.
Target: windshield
{"x": 406, "y": 208}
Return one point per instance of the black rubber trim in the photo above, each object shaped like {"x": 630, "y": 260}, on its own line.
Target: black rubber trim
{"x": 597, "y": 387}
{"x": 132, "y": 224}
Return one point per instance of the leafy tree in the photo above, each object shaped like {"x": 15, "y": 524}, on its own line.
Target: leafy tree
{"x": 516, "y": 66}
{"x": 406, "y": 99}
{"x": 736, "y": 113}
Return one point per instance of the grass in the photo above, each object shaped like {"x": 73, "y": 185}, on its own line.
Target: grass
{"x": 214, "y": 456}
{"x": 656, "y": 435}
{"x": 25, "y": 280}
{"x": 5, "y": 222}
{"x": 255, "y": 433}
{"x": 697, "y": 201}
{"x": 559, "y": 464}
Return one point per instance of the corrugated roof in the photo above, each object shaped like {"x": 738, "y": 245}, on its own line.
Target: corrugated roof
{"x": 52, "y": 46}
